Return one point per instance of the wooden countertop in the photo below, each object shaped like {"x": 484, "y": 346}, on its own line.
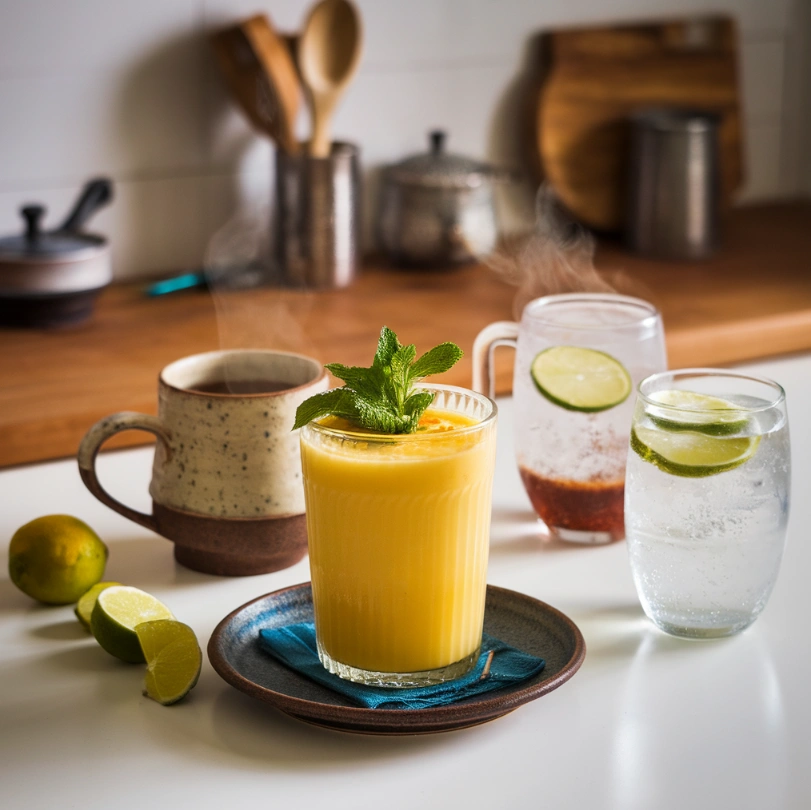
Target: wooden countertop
{"x": 752, "y": 300}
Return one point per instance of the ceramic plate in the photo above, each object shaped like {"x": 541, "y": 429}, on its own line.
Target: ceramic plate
{"x": 520, "y": 620}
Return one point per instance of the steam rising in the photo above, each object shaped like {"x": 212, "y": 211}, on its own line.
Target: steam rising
{"x": 558, "y": 257}
{"x": 253, "y": 309}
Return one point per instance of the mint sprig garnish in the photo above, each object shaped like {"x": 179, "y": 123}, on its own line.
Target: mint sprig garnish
{"x": 381, "y": 398}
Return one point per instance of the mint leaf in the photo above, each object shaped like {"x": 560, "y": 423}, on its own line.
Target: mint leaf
{"x": 368, "y": 382}
{"x": 400, "y": 378}
{"x": 436, "y": 360}
{"x": 380, "y": 398}
{"x": 379, "y": 417}
{"x": 339, "y": 401}
{"x": 387, "y": 345}
{"x": 416, "y": 405}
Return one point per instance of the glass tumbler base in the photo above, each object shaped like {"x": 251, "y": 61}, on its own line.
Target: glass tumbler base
{"x": 426, "y": 677}
{"x": 710, "y": 632}
{"x": 584, "y": 538}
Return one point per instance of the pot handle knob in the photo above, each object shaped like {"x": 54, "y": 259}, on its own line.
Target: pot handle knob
{"x": 437, "y": 137}
{"x": 33, "y": 215}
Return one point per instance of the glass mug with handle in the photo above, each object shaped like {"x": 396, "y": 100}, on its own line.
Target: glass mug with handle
{"x": 578, "y": 358}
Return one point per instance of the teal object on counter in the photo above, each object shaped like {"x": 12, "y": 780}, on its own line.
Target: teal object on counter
{"x": 294, "y": 645}
{"x": 187, "y": 281}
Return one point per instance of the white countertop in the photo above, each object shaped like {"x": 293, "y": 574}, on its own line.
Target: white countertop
{"x": 648, "y": 723}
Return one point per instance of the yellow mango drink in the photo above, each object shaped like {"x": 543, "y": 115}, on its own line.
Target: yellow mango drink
{"x": 398, "y": 530}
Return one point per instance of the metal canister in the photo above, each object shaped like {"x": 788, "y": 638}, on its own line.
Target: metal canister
{"x": 674, "y": 183}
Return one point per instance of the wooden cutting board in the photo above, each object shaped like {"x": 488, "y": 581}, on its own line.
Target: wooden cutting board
{"x": 594, "y": 77}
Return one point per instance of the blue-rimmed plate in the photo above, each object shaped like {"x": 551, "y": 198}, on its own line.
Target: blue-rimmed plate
{"x": 519, "y": 620}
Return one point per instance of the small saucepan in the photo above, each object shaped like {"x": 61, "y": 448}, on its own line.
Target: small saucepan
{"x": 437, "y": 209}
{"x": 52, "y": 278}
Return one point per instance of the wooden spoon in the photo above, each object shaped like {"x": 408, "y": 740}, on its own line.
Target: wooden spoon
{"x": 260, "y": 72}
{"x": 329, "y": 50}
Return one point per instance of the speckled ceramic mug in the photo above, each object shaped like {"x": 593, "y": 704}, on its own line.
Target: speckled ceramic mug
{"x": 226, "y": 480}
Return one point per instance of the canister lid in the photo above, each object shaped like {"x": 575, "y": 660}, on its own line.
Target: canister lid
{"x": 676, "y": 119}
{"x": 440, "y": 169}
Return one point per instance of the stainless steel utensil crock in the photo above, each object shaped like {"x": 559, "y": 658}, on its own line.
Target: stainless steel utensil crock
{"x": 317, "y": 217}
{"x": 437, "y": 209}
{"x": 674, "y": 183}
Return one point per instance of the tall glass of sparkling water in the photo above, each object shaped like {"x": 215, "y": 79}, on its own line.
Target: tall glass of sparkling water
{"x": 571, "y": 455}
{"x": 707, "y": 498}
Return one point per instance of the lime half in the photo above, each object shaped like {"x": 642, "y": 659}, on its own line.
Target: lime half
{"x": 697, "y": 412}
{"x": 173, "y": 659}
{"x": 118, "y": 611}
{"x": 580, "y": 379}
{"x": 691, "y": 455}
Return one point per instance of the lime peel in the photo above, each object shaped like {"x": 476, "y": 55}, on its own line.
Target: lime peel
{"x": 691, "y": 454}
{"x": 56, "y": 558}
{"x": 701, "y": 413}
{"x": 580, "y": 379}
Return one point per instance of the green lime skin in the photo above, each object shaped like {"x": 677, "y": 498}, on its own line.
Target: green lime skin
{"x": 683, "y": 470}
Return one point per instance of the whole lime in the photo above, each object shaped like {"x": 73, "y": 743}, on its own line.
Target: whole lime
{"x": 56, "y": 558}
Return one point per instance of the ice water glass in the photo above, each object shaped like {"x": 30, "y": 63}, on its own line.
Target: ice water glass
{"x": 707, "y": 498}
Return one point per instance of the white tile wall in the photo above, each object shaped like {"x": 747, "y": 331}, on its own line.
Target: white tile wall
{"x": 128, "y": 89}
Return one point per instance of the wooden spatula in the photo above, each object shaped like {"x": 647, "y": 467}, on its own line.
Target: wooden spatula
{"x": 259, "y": 70}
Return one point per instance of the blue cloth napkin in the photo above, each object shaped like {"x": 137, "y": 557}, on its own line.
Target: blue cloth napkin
{"x": 294, "y": 645}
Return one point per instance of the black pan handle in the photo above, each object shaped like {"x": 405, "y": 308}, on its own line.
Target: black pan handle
{"x": 96, "y": 193}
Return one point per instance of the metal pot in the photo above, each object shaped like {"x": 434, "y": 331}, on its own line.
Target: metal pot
{"x": 52, "y": 278}
{"x": 437, "y": 209}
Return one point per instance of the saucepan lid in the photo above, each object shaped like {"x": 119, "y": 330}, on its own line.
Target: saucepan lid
{"x": 440, "y": 169}
{"x": 65, "y": 243}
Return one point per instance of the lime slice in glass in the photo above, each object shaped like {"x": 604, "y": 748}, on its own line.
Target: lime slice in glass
{"x": 697, "y": 412}
{"x": 691, "y": 455}
{"x": 173, "y": 659}
{"x": 87, "y": 601}
{"x": 118, "y": 611}
{"x": 580, "y": 379}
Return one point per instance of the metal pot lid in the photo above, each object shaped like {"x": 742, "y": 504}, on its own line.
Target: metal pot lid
{"x": 65, "y": 243}
{"x": 439, "y": 169}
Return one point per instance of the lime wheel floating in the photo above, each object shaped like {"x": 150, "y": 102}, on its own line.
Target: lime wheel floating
{"x": 580, "y": 379}
{"x": 689, "y": 454}
{"x": 701, "y": 413}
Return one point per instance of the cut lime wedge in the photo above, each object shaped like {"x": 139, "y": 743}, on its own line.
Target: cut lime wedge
{"x": 691, "y": 455}
{"x": 697, "y": 412}
{"x": 117, "y": 612}
{"x": 84, "y": 607}
{"x": 580, "y": 379}
{"x": 173, "y": 659}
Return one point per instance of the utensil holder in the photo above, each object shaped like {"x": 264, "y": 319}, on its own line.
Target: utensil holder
{"x": 674, "y": 184}
{"x": 318, "y": 217}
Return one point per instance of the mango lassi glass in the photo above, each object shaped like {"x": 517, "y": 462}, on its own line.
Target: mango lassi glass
{"x": 399, "y": 529}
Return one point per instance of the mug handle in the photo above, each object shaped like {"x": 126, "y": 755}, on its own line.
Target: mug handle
{"x": 91, "y": 444}
{"x": 500, "y": 333}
